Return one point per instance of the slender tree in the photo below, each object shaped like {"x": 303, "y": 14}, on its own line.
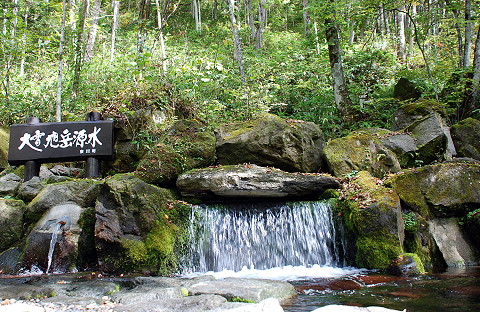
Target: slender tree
{"x": 468, "y": 34}
{"x": 92, "y": 35}
{"x": 58, "y": 110}
{"x": 116, "y": 10}
{"x": 238, "y": 53}
{"x": 260, "y": 24}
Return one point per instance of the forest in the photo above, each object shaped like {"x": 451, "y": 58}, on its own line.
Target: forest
{"x": 335, "y": 63}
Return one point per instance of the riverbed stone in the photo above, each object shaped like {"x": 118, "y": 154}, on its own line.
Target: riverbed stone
{"x": 269, "y": 140}
{"x": 455, "y": 249}
{"x": 247, "y": 289}
{"x": 252, "y": 181}
{"x": 407, "y": 264}
{"x": 466, "y": 137}
{"x": 11, "y": 222}
{"x": 344, "y": 308}
{"x": 361, "y": 150}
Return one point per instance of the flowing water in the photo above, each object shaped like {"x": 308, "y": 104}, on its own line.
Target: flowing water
{"x": 53, "y": 242}
{"x": 298, "y": 242}
{"x": 244, "y": 236}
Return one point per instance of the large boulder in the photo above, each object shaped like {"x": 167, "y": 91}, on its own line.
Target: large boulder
{"x": 269, "y": 140}
{"x": 444, "y": 190}
{"x": 252, "y": 181}
{"x": 411, "y": 112}
{"x": 466, "y": 137}
{"x": 361, "y": 150}
{"x": 373, "y": 213}
{"x": 11, "y": 222}
{"x": 4, "y": 139}
{"x": 9, "y": 184}
{"x": 406, "y": 90}
{"x": 188, "y": 145}
{"x": 432, "y": 137}
{"x": 138, "y": 227}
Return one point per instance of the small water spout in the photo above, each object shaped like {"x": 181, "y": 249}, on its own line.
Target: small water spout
{"x": 59, "y": 224}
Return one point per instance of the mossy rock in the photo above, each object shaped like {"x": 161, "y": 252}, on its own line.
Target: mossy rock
{"x": 188, "y": 145}
{"x": 412, "y": 111}
{"x": 11, "y": 222}
{"x": 406, "y": 264}
{"x": 361, "y": 150}
{"x": 466, "y": 137}
{"x": 139, "y": 227}
{"x": 373, "y": 213}
{"x": 290, "y": 145}
{"x": 443, "y": 190}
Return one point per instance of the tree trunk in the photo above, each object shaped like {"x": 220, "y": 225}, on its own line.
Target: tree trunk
{"x": 24, "y": 42}
{"x": 197, "y": 14}
{"x": 142, "y": 19}
{"x": 468, "y": 34}
{"x": 342, "y": 99}
{"x": 261, "y": 23}
{"x": 306, "y": 17}
{"x": 458, "y": 30}
{"x": 402, "y": 48}
{"x": 473, "y": 103}
{"x": 79, "y": 48}
{"x": 58, "y": 110}
{"x": 411, "y": 35}
{"x": 160, "y": 35}
{"x": 92, "y": 36}
{"x": 237, "y": 54}
{"x": 317, "y": 41}
{"x": 116, "y": 9}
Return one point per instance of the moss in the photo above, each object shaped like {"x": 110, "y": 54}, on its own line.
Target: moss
{"x": 4, "y": 139}
{"x": 420, "y": 268}
{"x": 330, "y": 193}
{"x": 136, "y": 252}
{"x": 423, "y": 107}
{"x": 240, "y": 299}
{"x": 377, "y": 252}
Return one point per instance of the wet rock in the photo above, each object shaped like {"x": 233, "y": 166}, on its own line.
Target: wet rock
{"x": 267, "y": 305}
{"x": 271, "y": 141}
{"x": 252, "y": 181}
{"x": 452, "y": 243}
{"x": 9, "y": 260}
{"x": 9, "y": 184}
{"x": 138, "y": 226}
{"x": 4, "y": 139}
{"x": 406, "y": 90}
{"x": 60, "y": 219}
{"x": 249, "y": 289}
{"x": 361, "y": 150}
{"x": 406, "y": 265}
{"x": 373, "y": 213}
{"x": 11, "y": 222}
{"x": 466, "y": 137}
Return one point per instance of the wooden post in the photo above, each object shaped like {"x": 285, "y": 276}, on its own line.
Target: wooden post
{"x": 92, "y": 166}
{"x": 32, "y": 168}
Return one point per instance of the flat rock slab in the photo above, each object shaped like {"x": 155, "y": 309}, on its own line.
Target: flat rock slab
{"x": 252, "y": 181}
{"x": 248, "y": 289}
{"x": 342, "y": 308}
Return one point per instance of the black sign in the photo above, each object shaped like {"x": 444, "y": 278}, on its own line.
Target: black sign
{"x": 63, "y": 141}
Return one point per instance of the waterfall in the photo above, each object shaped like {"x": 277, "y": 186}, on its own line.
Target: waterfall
{"x": 263, "y": 236}
{"x": 53, "y": 241}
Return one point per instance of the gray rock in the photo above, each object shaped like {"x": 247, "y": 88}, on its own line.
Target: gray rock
{"x": 361, "y": 150}
{"x": 466, "y": 137}
{"x": 451, "y": 242}
{"x": 403, "y": 145}
{"x": 406, "y": 90}
{"x": 252, "y": 181}
{"x": 271, "y": 141}
{"x": 30, "y": 189}
{"x": 60, "y": 170}
{"x": 9, "y": 260}
{"x": 185, "y": 304}
{"x": 63, "y": 219}
{"x": 432, "y": 137}
{"x": 11, "y": 222}
{"x": 9, "y": 184}
{"x": 267, "y": 305}
{"x": 249, "y": 289}
{"x": 83, "y": 193}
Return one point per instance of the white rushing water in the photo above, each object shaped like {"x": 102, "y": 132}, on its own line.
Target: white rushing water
{"x": 53, "y": 242}
{"x": 284, "y": 241}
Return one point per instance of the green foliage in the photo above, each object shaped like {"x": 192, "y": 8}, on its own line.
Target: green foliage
{"x": 410, "y": 221}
